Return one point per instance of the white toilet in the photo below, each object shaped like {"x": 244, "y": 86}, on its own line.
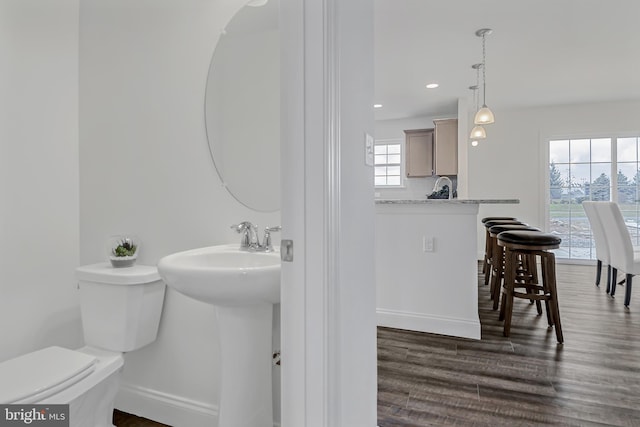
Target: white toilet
{"x": 121, "y": 310}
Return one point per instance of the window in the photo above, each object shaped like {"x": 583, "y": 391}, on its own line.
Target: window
{"x": 628, "y": 184}
{"x": 591, "y": 169}
{"x": 388, "y": 163}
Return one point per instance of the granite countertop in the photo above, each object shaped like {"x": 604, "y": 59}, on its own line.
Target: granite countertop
{"x": 445, "y": 201}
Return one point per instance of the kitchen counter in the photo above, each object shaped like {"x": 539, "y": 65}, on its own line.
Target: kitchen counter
{"x": 454, "y": 201}
{"x": 426, "y": 264}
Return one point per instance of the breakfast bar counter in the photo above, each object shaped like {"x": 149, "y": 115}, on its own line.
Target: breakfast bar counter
{"x": 426, "y": 264}
{"x": 445, "y": 201}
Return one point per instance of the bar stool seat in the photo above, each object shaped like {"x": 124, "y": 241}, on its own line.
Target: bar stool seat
{"x": 492, "y": 222}
{"x": 497, "y": 260}
{"x": 528, "y": 238}
{"x": 490, "y": 218}
{"x": 497, "y": 229}
{"x": 528, "y": 243}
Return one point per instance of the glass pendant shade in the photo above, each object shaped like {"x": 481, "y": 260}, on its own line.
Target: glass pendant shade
{"x": 478, "y": 132}
{"x": 484, "y": 116}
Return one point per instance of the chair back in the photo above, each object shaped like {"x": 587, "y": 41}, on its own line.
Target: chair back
{"x": 597, "y": 229}
{"x": 618, "y": 238}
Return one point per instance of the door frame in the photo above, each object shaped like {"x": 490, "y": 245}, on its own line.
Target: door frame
{"x": 328, "y": 291}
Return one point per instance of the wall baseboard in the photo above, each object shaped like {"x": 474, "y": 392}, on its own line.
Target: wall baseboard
{"x": 164, "y": 407}
{"x": 465, "y": 328}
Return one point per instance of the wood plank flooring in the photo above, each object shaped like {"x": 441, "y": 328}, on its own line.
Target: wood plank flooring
{"x": 122, "y": 419}
{"x": 524, "y": 380}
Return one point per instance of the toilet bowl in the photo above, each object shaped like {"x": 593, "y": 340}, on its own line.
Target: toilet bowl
{"x": 121, "y": 310}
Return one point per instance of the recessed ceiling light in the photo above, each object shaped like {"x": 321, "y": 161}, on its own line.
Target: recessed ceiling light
{"x": 432, "y": 85}
{"x": 377, "y": 105}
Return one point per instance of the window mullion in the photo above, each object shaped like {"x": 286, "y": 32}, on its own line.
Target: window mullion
{"x": 614, "y": 169}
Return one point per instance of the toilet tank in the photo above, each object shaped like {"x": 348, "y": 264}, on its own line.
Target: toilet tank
{"x": 120, "y": 307}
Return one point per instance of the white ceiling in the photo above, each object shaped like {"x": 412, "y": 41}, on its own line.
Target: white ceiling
{"x": 541, "y": 52}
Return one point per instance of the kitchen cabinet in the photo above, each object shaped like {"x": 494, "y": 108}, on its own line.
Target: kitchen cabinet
{"x": 419, "y": 152}
{"x": 445, "y": 149}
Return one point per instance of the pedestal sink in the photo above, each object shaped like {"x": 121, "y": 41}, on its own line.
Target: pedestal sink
{"x": 243, "y": 286}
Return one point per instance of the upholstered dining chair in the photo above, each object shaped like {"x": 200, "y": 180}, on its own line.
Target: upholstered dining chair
{"x": 600, "y": 237}
{"x": 621, "y": 253}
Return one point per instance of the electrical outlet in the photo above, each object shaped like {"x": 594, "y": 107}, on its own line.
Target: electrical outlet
{"x": 428, "y": 244}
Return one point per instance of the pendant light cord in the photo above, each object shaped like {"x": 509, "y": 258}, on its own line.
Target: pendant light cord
{"x": 475, "y": 98}
{"x": 475, "y": 92}
{"x": 484, "y": 73}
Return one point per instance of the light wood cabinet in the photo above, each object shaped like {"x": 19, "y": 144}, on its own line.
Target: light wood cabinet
{"x": 445, "y": 150}
{"x": 419, "y": 152}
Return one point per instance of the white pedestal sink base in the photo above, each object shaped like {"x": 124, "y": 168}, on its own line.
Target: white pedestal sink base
{"x": 243, "y": 286}
{"x": 246, "y": 365}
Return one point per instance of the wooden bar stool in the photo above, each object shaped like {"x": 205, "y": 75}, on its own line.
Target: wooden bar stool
{"x": 526, "y": 243}
{"x": 484, "y": 220}
{"x": 493, "y": 218}
{"x": 486, "y": 269}
{"x": 497, "y": 259}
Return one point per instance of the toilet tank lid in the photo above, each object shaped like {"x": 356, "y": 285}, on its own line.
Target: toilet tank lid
{"x": 104, "y": 272}
{"x": 37, "y": 373}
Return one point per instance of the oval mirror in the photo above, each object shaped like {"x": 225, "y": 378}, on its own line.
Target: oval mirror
{"x": 242, "y": 106}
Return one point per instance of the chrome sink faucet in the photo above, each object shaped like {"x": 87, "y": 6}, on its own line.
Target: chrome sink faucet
{"x": 249, "y": 234}
{"x": 250, "y": 240}
{"x": 437, "y": 184}
{"x": 266, "y": 241}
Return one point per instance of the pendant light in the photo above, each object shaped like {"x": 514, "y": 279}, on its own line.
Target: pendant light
{"x": 484, "y": 116}
{"x": 478, "y": 131}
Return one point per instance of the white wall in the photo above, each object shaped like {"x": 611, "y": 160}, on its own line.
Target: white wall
{"x": 510, "y": 162}
{"x": 39, "y": 176}
{"x": 414, "y": 188}
{"x": 145, "y": 169}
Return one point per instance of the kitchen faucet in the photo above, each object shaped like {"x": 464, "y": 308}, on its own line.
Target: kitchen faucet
{"x": 250, "y": 240}
{"x": 437, "y": 184}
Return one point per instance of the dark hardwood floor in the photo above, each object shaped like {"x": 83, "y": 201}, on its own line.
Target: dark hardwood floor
{"x": 524, "y": 380}
{"x": 122, "y": 419}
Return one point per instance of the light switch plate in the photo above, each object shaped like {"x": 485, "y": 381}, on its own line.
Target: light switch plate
{"x": 368, "y": 149}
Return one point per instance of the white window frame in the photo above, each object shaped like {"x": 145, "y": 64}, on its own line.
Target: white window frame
{"x": 400, "y": 141}
{"x": 545, "y": 195}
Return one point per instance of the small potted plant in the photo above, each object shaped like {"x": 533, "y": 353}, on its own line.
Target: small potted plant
{"x": 123, "y": 251}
